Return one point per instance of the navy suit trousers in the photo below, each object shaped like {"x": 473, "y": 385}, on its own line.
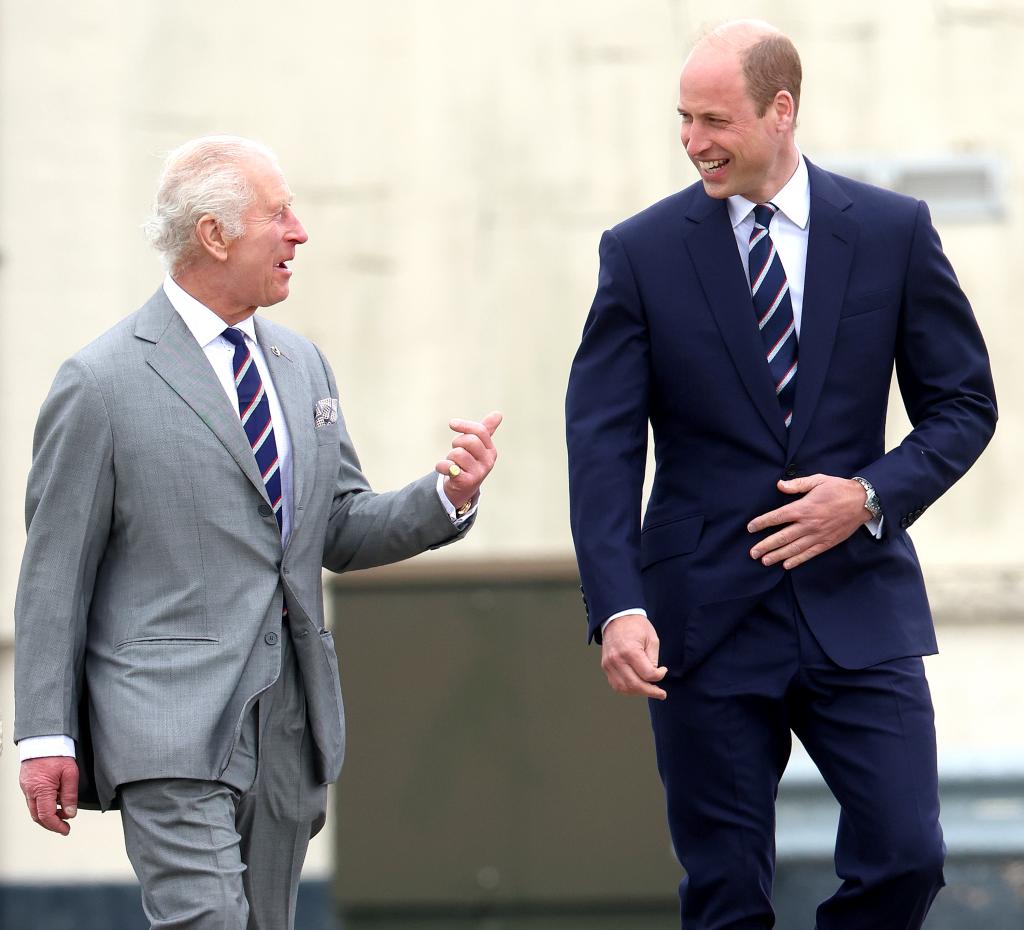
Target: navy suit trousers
{"x": 723, "y": 739}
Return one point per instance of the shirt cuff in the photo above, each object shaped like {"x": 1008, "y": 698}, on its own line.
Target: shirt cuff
{"x": 874, "y": 527}
{"x": 623, "y": 613}
{"x": 35, "y": 747}
{"x": 449, "y": 507}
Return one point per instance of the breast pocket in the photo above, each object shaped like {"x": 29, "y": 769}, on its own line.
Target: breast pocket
{"x": 871, "y": 302}
{"x": 328, "y": 434}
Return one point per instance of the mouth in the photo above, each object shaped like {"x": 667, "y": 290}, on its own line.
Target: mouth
{"x": 283, "y": 266}
{"x": 713, "y": 167}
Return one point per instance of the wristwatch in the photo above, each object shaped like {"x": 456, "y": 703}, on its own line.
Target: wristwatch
{"x": 873, "y": 505}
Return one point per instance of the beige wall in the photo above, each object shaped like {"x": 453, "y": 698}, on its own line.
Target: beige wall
{"x": 455, "y": 163}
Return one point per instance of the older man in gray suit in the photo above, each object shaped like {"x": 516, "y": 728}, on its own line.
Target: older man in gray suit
{"x": 191, "y": 476}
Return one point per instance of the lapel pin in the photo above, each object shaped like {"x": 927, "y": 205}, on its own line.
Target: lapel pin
{"x": 276, "y": 351}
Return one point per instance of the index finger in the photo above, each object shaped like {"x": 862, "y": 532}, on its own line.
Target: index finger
{"x": 46, "y": 813}
{"x": 639, "y": 662}
{"x": 637, "y": 684}
{"x": 772, "y": 518}
{"x": 481, "y": 430}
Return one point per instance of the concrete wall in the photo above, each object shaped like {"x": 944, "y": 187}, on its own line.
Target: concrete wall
{"x": 455, "y": 163}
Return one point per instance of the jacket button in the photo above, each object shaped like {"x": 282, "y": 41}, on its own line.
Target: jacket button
{"x": 791, "y": 470}
{"x": 264, "y": 510}
{"x": 270, "y": 638}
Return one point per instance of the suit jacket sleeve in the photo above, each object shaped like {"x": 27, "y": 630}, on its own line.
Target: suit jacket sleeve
{"x": 606, "y": 415}
{"x": 365, "y": 528}
{"x": 944, "y": 377}
{"x": 68, "y": 513}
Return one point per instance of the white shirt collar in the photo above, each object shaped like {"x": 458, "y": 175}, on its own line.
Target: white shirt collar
{"x": 793, "y": 201}
{"x": 202, "y": 322}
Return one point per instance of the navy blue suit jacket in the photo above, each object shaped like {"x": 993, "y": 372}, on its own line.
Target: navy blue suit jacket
{"x": 671, "y": 340}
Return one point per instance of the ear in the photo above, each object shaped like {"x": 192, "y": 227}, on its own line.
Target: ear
{"x": 210, "y": 235}
{"x": 784, "y": 109}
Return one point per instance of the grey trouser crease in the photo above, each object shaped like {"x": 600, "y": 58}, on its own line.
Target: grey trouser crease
{"x": 227, "y": 854}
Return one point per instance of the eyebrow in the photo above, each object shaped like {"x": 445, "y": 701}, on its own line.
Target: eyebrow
{"x": 708, "y": 114}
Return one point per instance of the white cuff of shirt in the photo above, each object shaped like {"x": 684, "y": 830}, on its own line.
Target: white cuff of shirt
{"x": 450, "y": 507}
{"x": 622, "y": 613}
{"x": 35, "y": 747}
{"x": 874, "y": 527}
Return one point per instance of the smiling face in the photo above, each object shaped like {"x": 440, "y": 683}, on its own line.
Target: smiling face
{"x": 734, "y": 150}
{"x": 255, "y": 267}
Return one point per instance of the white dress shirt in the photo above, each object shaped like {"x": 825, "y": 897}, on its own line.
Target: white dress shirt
{"x": 207, "y": 328}
{"x": 789, "y": 229}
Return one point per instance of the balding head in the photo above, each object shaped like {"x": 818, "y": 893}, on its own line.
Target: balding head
{"x": 738, "y": 96}
{"x": 767, "y": 57}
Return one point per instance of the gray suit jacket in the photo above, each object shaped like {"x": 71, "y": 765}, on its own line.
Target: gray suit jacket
{"x": 151, "y": 591}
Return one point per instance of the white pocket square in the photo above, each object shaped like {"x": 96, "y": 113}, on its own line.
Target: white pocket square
{"x": 325, "y": 411}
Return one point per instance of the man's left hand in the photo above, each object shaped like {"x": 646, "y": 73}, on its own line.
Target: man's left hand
{"x": 473, "y": 454}
{"x": 830, "y": 511}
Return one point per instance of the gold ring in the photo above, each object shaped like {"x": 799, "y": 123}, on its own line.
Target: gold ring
{"x": 454, "y": 471}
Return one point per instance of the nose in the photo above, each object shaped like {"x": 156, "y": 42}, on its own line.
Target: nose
{"x": 694, "y": 141}
{"x": 297, "y": 233}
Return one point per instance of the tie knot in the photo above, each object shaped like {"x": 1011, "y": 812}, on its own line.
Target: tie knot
{"x": 763, "y": 213}
{"x": 235, "y": 336}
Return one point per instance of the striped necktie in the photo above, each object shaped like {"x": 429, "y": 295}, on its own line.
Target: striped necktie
{"x": 254, "y": 409}
{"x": 774, "y": 308}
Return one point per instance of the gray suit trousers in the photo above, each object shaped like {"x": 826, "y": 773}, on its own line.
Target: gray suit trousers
{"x": 227, "y": 854}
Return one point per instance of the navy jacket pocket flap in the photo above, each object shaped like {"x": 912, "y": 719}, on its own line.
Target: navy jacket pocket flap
{"x": 664, "y": 540}
{"x": 868, "y": 303}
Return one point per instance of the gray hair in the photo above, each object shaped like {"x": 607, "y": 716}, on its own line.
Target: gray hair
{"x": 203, "y": 176}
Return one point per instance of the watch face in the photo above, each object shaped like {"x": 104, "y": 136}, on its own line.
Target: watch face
{"x": 872, "y": 504}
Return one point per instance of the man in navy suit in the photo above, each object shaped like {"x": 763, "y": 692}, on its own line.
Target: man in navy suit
{"x": 754, "y": 320}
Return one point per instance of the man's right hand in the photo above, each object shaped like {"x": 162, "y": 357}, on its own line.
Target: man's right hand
{"x": 46, "y": 782}
{"x": 629, "y": 656}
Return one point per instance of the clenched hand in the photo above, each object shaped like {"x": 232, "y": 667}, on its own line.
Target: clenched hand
{"x": 50, "y": 785}
{"x": 629, "y": 656}
{"x": 473, "y": 453}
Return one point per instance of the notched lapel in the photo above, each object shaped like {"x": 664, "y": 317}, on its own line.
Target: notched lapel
{"x": 831, "y": 238}
{"x": 180, "y": 361}
{"x": 712, "y": 246}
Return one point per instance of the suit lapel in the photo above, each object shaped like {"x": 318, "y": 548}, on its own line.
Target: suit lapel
{"x": 712, "y": 245}
{"x": 293, "y": 392}
{"x": 180, "y": 361}
{"x": 830, "y": 243}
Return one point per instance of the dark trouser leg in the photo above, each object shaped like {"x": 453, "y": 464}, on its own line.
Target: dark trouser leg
{"x": 722, "y": 741}
{"x": 871, "y": 732}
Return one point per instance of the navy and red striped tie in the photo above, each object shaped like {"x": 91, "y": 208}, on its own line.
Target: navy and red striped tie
{"x": 254, "y": 409}
{"x": 774, "y": 308}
